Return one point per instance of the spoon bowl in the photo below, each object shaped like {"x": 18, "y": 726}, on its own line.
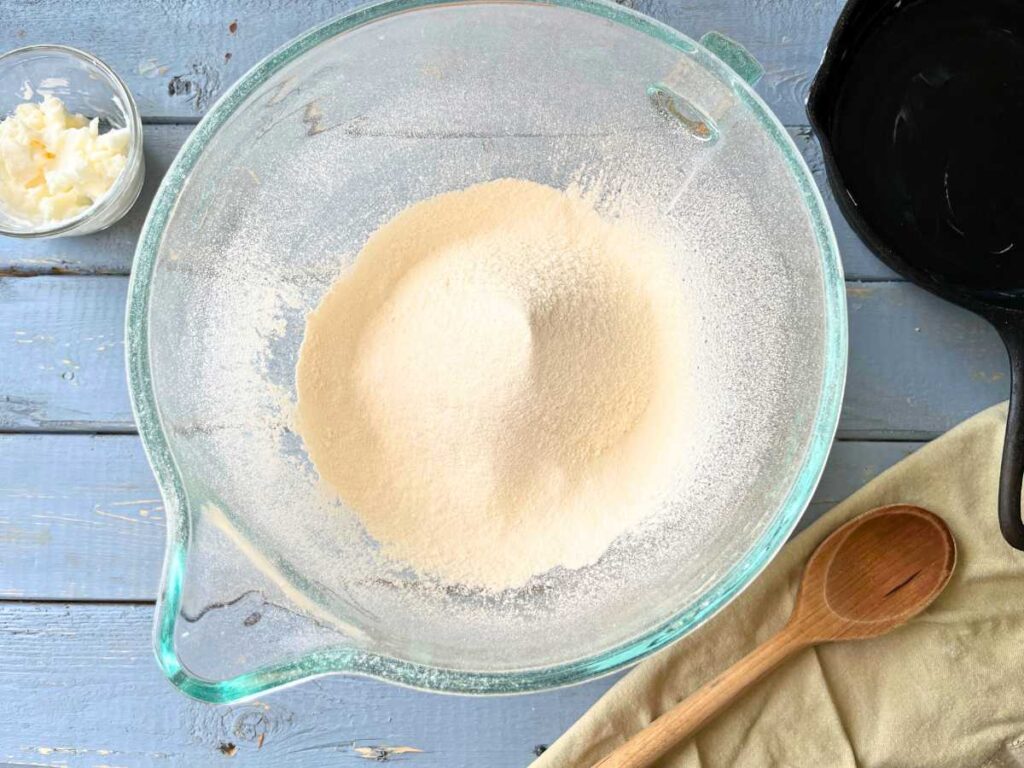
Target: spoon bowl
{"x": 869, "y": 576}
{"x": 875, "y": 572}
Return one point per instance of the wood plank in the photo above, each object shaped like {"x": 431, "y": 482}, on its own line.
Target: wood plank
{"x": 62, "y": 347}
{"x": 178, "y": 60}
{"x": 851, "y": 465}
{"x": 79, "y": 687}
{"x": 787, "y": 37}
{"x": 81, "y": 517}
{"x": 918, "y": 365}
{"x": 56, "y": 661}
{"x": 111, "y": 251}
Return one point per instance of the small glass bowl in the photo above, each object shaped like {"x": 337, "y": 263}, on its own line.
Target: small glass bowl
{"x": 89, "y": 87}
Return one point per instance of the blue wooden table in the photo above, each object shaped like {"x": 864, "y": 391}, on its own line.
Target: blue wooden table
{"x": 81, "y": 521}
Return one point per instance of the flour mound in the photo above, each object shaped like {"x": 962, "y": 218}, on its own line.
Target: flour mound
{"x": 497, "y": 386}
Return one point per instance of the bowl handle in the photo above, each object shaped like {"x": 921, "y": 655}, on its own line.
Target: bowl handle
{"x": 702, "y": 121}
{"x": 735, "y": 55}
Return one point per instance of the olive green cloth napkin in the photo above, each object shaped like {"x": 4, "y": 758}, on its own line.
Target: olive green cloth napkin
{"x": 945, "y": 690}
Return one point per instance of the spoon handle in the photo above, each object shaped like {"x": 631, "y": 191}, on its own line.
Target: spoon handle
{"x": 688, "y": 716}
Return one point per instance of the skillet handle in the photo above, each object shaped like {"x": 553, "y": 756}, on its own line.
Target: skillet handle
{"x": 1012, "y": 471}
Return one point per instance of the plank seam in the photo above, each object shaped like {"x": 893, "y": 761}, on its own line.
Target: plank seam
{"x": 73, "y": 601}
{"x": 126, "y": 430}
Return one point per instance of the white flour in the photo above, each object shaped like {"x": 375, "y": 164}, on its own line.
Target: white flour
{"x": 497, "y": 386}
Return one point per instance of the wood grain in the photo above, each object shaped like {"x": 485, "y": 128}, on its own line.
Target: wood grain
{"x": 79, "y": 688}
{"x": 62, "y": 347}
{"x": 111, "y": 251}
{"x": 178, "y": 58}
{"x": 59, "y": 662}
{"x": 918, "y": 365}
{"x": 852, "y": 464}
{"x": 81, "y": 516}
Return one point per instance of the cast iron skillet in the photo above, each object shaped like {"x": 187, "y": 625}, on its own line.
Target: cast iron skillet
{"x": 919, "y": 108}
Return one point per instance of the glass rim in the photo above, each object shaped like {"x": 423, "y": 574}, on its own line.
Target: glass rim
{"x": 134, "y": 125}
{"x": 350, "y": 660}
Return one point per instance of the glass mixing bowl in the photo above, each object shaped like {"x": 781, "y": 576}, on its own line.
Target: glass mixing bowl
{"x": 267, "y": 580}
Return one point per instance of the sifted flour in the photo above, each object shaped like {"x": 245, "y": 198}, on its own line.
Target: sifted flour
{"x": 497, "y": 385}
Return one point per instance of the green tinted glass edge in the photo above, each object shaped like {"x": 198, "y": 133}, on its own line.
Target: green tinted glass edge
{"x": 354, "y": 661}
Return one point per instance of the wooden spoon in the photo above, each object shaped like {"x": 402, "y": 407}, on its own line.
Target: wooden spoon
{"x": 868, "y": 577}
